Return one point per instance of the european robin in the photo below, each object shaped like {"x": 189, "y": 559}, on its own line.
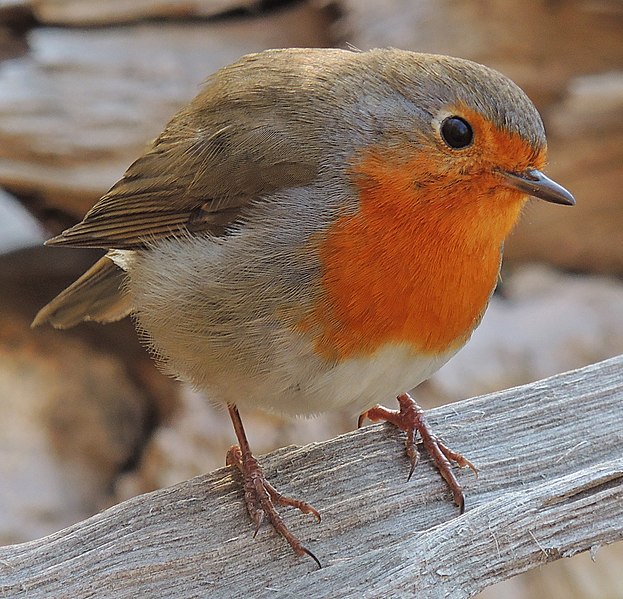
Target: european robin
{"x": 316, "y": 230}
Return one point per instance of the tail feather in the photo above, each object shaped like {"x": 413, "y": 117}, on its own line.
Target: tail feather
{"x": 97, "y": 295}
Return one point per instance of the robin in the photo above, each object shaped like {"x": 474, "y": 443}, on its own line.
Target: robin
{"x": 316, "y": 230}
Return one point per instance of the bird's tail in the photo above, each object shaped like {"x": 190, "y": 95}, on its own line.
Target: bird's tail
{"x": 98, "y": 295}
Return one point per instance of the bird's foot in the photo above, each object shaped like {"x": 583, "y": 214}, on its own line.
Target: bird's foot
{"x": 411, "y": 419}
{"x": 261, "y": 497}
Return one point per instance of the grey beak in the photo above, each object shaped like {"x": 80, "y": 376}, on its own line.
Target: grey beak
{"x": 536, "y": 184}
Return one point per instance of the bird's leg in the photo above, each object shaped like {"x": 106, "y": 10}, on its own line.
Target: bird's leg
{"x": 259, "y": 495}
{"x": 410, "y": 418}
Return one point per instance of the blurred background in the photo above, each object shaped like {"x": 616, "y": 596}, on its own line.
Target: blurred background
{"x": 87, "y": 420}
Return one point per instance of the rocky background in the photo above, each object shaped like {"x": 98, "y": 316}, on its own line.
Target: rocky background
{"x": 87, "y": 420}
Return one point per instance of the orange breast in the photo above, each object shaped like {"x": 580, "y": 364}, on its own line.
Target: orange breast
{"x": 416, "y": 264}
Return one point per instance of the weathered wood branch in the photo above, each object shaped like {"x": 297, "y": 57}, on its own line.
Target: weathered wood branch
{"x": 550, "y": 485}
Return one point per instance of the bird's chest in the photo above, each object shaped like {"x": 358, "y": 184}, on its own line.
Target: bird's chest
{"x": 423, "y": 290}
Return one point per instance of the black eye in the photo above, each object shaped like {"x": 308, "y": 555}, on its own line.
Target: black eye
{"x": 456, "y": 132}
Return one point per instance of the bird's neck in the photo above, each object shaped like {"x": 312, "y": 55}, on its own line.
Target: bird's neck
{"x": 412, "y": 266}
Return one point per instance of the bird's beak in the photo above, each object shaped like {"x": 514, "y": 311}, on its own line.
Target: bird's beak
{"x": 535, "y": 183}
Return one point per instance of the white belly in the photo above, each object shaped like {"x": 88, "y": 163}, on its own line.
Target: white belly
{"x": 355, "y": 384}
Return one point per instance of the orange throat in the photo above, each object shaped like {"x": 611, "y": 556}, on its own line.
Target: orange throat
{"x": 414, "y": 265}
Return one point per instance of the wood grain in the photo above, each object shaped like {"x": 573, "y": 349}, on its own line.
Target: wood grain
{"x": 550, "y": 485}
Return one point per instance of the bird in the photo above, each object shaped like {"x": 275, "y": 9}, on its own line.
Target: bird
{"x": 317, "y": 230}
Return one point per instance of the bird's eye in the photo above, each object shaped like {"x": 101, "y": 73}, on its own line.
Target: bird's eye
{"x": 456, "y": 132}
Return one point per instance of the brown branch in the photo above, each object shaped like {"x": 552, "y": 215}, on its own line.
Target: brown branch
{"x": 550, "y": 485}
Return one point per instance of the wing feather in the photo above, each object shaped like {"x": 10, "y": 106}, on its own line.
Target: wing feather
{"x": 198, "y": 175}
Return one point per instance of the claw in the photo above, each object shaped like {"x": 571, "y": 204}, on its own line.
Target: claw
{"x": 410, "y": 418}
{"x": 260, "y": 496}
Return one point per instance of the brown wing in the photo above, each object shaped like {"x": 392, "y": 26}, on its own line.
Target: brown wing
{"x": 207, "y": 165}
